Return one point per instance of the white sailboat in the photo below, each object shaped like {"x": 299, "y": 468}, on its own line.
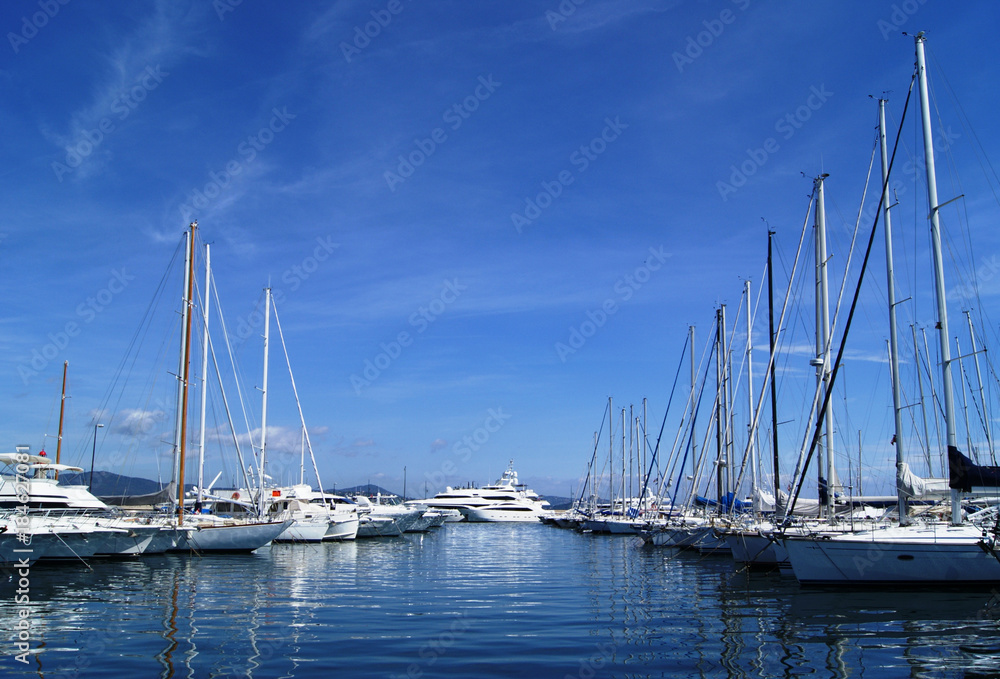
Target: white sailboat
{"x": 212, "y": 533}
{"x": 960, "y": 551}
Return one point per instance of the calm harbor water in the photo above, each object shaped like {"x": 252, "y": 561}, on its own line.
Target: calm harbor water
{"x": 483, "y": 600}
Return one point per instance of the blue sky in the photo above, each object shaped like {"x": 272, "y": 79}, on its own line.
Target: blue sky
{"x": 440, "y": 195}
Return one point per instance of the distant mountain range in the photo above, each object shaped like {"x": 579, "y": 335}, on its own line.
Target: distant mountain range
{"x": 369, "y": 489}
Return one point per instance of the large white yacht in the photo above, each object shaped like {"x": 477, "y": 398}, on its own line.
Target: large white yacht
{"x": 77, "y": 523}
{"x": 505, "y": 500}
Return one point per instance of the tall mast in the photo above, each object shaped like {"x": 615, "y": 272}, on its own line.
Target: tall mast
{"x": 642, "y": 469}
{"x": 727, "y": 376}
{"x": 593, "y": 476}
{"x": 942, "y": 305}
{"x": 897, "y": 407}
{"x": 720, "y": 433}
{"x": 824, "y": 451}
{"x": 204, "y": 375}
{"x": 175, "y": 471}
{"x": 755, "y": 459}
{"x": 694, "y": 381}
{"x": 62, "y": 410}
{"x": 186, "y": 367}
{"x": 774, "y": 387}
{"x": 639, "y": 469}
{"x": 631, "y": 437}
{"x": 623, "y": 464}
{"x": 611, "y": 454}
{"x": 263, "y": 399}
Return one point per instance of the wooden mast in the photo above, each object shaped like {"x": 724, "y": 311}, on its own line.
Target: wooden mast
{"x": 185, "y": 369}
{"x": 62, "y": 411}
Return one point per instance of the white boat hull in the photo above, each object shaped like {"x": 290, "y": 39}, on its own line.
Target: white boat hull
{"x": 304, "y": 531}
{"x": 612, "y": 526}
{"x": 168, "y": 538}
{"x": 952, "y": 555}
{"x": 754, "y": 548}
{"x": 13, "y": 552}
{"x": 378, "y": 527}
{"x": 342, "y": 528}
{"x": 671, "y": 536}
{"x": 245, "y": 537}
{"x": 498, "y": 515}
{"x": 131, "y": 541}
{"x": 80, "y": 544}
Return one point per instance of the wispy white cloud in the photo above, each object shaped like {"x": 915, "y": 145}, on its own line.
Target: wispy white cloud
{"x": 139, "y": 60}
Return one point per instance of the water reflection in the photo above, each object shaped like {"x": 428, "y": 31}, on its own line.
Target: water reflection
{"x": 491, "y": 600}
{"x": 905, "y": 633}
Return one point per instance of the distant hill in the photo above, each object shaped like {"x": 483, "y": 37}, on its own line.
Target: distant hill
{"x": 557, "y": 502}
{"x": 369, "y": 489}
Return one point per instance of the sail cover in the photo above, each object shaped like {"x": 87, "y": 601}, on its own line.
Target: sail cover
{"x": 965, "y": 474}
{"x": 165, "y": 494}
{"x": 915, "y": 487}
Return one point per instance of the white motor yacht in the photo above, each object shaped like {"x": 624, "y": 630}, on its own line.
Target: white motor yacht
{"x": 505, "y": 500}
{"x": 87, "y": 526}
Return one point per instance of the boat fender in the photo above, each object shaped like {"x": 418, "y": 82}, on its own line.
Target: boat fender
{"x": 236, "y": 496}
